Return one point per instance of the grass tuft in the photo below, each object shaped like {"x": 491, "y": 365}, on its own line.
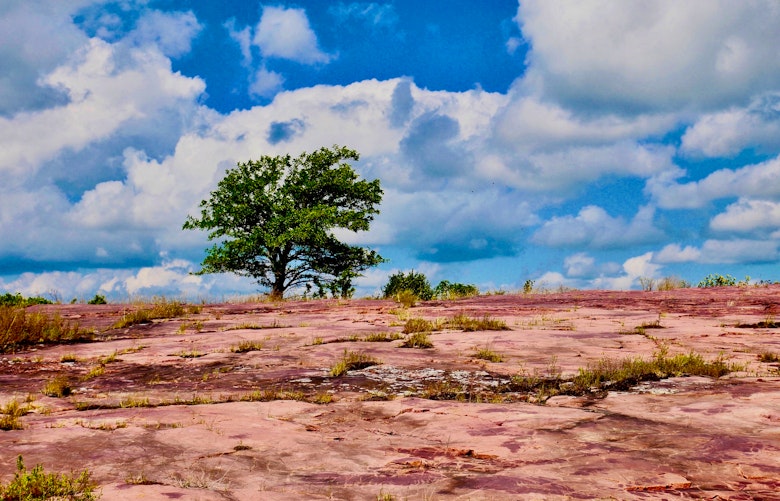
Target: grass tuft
{"x": 246, "y": 346}
{"x": 418, "y": 340}
{"x": 19, "y": 329}
{"x": 352, "y": 360}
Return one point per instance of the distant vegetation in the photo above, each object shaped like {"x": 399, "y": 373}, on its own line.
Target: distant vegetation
{"x": 408, "y": 288}
{"x": 17, "y": 299}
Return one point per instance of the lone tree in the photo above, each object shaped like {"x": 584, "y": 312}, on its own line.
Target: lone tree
{"x": 274, "y": 219}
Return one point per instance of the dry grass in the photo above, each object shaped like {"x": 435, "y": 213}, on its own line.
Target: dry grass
{"x": 418, "y": 340}
{"x": 352, "y": 360}
{"x": 159, "y": 310}
{"x": 20, "y": 328}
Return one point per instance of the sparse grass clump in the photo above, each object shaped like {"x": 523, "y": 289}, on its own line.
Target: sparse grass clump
{"x": 418, "y": 340}
{"x": 57, "y": 387}
{"x": 246, "y": 346}
{"x": 11, "y": 412}
{"x": 352, "y": 360}
{"x": 162, "y": 308}
{"x": 35, "y": 484}
{"x": 469, "y": 324}
{"x": 418, "y": 325}
{"x": 19, "y": 329}
{"x": 380, "y": 337}
{"x": 769, "y": 357}
{"x": 487, "y": 353}
{"x": 190, "y": 354}
{"x": 253, "y": 326}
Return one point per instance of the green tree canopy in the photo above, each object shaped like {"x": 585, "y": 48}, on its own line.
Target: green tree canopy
{"x": 274, "y": 220}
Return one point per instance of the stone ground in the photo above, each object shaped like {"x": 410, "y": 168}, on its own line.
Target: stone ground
{"x": 178, "y": 414}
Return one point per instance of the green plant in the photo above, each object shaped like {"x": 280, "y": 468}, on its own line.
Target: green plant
{"x": 17, "y": 299}
{"x": 58, "y": 387}
{"x": 768, "y": 357}
{"x": 418, "y": 325}
{"x": 407, "y": 298}
{"x": 98, "y": 299}
{"x": 11, "y": 412}
{"x": 418, "y": 340}
{"x": 714, "y": 280}
{"x": 246, "y": 346}
{"x": 274, "y": 219}
{"x": 469, "y": 324}
{"x": 35, "y": 484}
{"x": 487, "y": 353}
{"x": 380, "y": 337}
{"x": 448, "y": 290}
{"x": 417, "y": 283}
{"x": 528, "y": 287}
{"x": 352, "y": 360}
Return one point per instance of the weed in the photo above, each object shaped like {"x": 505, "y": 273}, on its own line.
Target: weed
{"x": 418, "y": 340}
{"x": 57, "y": 387}
{"x": 418, "y": 325}
{"x": 19, "y": 328}
{"x": 68, "y": 358}
{"x": 98, "y": 299}
{"x": 407, "y": 298}
{"x": 317, "y": 341}
{"x": 768, "y": 357}
{"x": 384, "y": 496}
{"x": 108, "y": 359}
{"x": 321, "y": 398}
{"x": 381, "y": 337}
{"x": 271, "y": 395}
{"x": 528, "y": 287}
{"x": 36, "y": 484}
{"x": 162, "y": 308}
{"x": 486, "y": 353}
{"x": 274, "y": 325}
{"x": 189, "y": 354}
{"x": 469, "y": 324}
{"x": 11, "y": 412}
{"x": 132, "y": 402}
{"x": 245, "y": 346}
{"x": 352, "y": 360}
{"x": 94, "y": 372}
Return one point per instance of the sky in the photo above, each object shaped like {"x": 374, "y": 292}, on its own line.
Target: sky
{"x": 586, "y": 144}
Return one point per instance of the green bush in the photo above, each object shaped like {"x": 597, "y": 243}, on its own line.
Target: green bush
{"x": 415, "y": 282}
{"x": 35, "y": 484}
{"x": 98, "y": 299}
{"x": 17, "y": 299}
{"x": 448, "y": 290}
{"x": 713, "y": 280}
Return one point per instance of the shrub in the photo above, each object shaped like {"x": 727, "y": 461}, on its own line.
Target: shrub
{"x": 35, "y": 484}
{"x": 671, "y": 283}
{"x": 415, "y": 282}
{"x": 57, "y": 387}
{"x": 17, "y": 299}
{"x": 448, "y": 290}
{"x": 713, "y": 280}
{"x": 98, "y": 299}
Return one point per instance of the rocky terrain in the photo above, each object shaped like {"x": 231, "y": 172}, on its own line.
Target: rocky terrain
{"x": 244, "y": 401}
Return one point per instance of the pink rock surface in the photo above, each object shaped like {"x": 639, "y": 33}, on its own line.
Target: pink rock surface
{"x": 690, "y": 437}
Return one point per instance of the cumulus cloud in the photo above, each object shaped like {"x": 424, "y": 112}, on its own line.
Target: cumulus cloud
{"x": 170, "y": 32}
{"x": 594, "y": 228}
{"x": 627, "y": 57}
{"x": 35, "y": 37}
{"x": 747, "y": 216}
{"x": 726, "y": 133}
{"x": 286, "y": 34}
{"x": 675, "y": 253}
{"x": 757, "y": 180}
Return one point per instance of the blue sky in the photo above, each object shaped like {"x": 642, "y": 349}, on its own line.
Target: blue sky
{"x": 585, "y": 144}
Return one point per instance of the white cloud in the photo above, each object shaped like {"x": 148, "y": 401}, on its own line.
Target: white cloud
{"x": 170, "y": 32}
{"x": 104, "y": 95}
{"x": 747, "y": 215}
{"x": 593, "y": 227}
{"x": 726, "y": 133}
{"x": 287, "y": 34}
{"x": 628, "y": 56}
{"x": 735, "y": 251}
{"x": 758, "y": 180}
{"x": 373, "y": 14}
{"x": 674, "y": 253}
{"x": 266, "y": 83}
